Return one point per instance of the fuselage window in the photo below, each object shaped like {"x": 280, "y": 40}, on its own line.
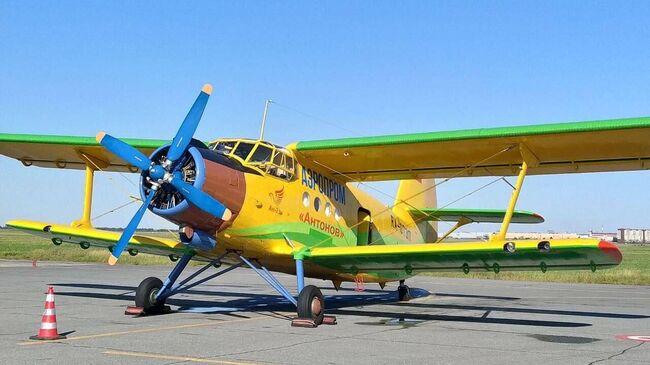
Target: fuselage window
{"x": 328, "y": 209}
{"x": 317, "y": 204}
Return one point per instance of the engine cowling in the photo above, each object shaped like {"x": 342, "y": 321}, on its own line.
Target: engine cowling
{"x": 206, "y": 171}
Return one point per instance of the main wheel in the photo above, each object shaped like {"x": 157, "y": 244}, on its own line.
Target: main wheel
{"x": 311, "y": 304}
{"x": 403, "y": 293}
{"x": 145, "y": 295}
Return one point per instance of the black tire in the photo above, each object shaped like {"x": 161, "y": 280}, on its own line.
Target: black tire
{"x": 403, "y": 293}
{"x": 311, "y": 304}
{"x": 146, "y": 293}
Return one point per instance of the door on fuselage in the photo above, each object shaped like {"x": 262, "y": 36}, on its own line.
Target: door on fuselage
{"x": 363, "y": 227}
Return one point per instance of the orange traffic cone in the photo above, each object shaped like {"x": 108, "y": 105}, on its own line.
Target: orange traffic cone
{"x": 48, "y": 323}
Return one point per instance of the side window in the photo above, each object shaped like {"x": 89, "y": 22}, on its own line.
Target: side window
{"x": 282, "y": 166}
{"x": 290, "y": 165}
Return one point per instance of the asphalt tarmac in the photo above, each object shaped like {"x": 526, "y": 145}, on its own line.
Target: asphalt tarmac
{"x": 238, "y": 319}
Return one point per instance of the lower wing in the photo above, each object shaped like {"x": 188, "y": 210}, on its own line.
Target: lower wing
{"x": 469, "y": 256}
{"x": 87, "y": 237}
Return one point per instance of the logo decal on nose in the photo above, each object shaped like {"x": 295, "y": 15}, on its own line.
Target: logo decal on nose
{"x": 277, "y": 196}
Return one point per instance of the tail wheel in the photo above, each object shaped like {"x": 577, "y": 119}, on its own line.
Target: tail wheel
{"x": 311, "y": 304}
{"x": 145, "y": 295}
{"x": 404, "y": 293}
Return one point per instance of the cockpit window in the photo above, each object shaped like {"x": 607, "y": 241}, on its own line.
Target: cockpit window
{"x": 224, "y": 147}
{"x": 261, "y": 155}
{"x": 243, "y": 150}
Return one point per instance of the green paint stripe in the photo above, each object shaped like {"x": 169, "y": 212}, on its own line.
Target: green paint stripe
{"x": 76, "y": 140}
{"x": 481, "y": 133}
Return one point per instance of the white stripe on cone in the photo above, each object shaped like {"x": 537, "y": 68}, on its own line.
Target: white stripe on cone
{"x": 50, "y": 312}
{"x": 48, "y": 326}
{"x": 49, "y": 298}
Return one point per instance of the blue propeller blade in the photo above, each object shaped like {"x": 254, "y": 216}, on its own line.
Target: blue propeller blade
{"x": 124, "y": 151}
{"x": 191, "y": 122}
{"x": 130, "y": 229}
{"x": 202, "y": 200}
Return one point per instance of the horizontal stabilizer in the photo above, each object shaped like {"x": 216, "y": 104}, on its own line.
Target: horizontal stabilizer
{"x": 475, "y": 215}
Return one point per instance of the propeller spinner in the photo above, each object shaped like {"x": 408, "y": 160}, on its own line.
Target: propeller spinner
{"x": 166, "y": 172}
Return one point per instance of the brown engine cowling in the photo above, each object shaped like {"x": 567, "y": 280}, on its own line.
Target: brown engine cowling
{"x": 208, "y": 171}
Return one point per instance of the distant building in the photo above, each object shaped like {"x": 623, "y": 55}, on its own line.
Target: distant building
{"x": 605, "y": 236}
{"x": 633, "y": 235}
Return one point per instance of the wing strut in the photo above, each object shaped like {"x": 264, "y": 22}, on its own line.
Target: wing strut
{"x": 528, "y": 158}
{"x": 91, "y": 167}
{"x": 461, "y": 222}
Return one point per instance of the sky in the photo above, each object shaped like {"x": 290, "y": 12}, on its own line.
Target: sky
{"x": 334, "y": 69}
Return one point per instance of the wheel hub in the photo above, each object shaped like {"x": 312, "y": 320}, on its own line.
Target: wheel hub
{"x": 316, "y": 306}
{"x": 152, "y": 296}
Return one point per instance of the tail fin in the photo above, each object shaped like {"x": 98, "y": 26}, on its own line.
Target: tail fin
{"x": 417, "y": 194}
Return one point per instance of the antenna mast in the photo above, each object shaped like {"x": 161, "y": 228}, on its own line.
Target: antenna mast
{"x": 266, "y": 109}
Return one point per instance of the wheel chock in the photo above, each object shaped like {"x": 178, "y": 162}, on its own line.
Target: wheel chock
{"x": 303, "y": 322}
{"x": 329, "y": 320}
{"x": 134, "y": 311}
{"x": 139, "y": 311}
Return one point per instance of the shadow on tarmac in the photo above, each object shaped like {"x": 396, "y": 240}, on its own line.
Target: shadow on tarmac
{"x": 347, "y": 302}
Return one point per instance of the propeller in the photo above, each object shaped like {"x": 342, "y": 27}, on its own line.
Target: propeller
{"x": 129, "y": 231}
{"x": 164, "y": 173}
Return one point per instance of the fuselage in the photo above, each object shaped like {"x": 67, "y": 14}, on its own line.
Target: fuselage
{"x": 280, "y": 201}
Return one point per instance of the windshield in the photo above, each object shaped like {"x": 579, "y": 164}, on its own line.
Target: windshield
{"x": 224, "y": 147}
{"x": 261, "y": 155}
{"x": 243, "y": 149}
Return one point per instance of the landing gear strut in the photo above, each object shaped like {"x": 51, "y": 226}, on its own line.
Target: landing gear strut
{"x": 403, "y": 292}
{"x": 152, "y": 293}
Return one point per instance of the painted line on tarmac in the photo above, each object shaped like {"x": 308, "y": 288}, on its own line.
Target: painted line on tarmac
{"x": 143, "y": 330}
{"x": 176, "y": 358}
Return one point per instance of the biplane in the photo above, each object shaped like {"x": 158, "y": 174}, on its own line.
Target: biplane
{"x": 296, "y": 209}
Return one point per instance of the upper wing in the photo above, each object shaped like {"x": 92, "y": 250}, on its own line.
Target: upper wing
{"x": 474, "y": 215}
{"x": 481, "y": 256}
{"x": 99, "y": 238}
{"x": 69, "y": 152}
{"x": 607, "y": 145}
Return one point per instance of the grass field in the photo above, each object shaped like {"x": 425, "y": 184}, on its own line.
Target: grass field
{"x": 635, "y": 269}
{"x": 18, "y": 245}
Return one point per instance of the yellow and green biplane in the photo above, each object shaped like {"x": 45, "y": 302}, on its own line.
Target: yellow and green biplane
{"x": 294, "y": 209}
